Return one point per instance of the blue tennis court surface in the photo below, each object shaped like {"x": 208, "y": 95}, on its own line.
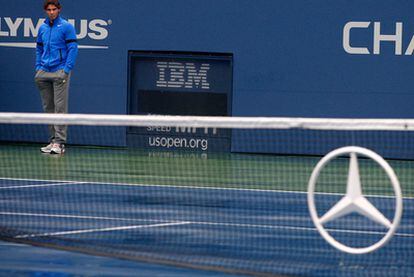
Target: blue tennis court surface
{"x": 244, "y": 230}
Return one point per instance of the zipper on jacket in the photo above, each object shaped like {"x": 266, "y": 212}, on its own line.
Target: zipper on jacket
{"x": 50, "y": 35}
{"x": 60, "y": 54}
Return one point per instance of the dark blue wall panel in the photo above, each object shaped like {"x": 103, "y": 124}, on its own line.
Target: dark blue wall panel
{"x": 289, "y": 58}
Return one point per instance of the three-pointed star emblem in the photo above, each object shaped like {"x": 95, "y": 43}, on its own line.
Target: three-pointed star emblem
{"x": 354, "y": 200}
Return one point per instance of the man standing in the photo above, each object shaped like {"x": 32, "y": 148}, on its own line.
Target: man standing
{"x": 56, "y": 52}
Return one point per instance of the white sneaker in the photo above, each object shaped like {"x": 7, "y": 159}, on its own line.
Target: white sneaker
{"x": 57, "y": 148}
{"x": 47, "y": 148}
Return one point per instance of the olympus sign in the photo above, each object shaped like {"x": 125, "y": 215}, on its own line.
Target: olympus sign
{"x": 95, "y": 29}
{"x": 378, "y": 38}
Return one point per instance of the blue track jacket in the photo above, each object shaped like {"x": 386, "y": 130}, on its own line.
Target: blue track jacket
{"x": 56, "y": 46}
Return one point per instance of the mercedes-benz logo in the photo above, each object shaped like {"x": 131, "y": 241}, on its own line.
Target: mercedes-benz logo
{"x": 354, "y": 200}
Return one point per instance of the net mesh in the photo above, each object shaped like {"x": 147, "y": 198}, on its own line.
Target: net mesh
{"x": 162, "y": 189}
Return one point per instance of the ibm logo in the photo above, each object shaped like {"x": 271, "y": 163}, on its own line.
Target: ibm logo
{"x": 182, "y": 75}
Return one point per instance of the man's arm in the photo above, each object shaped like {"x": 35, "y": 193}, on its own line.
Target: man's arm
{"x": 72, "y": 45}
{"x": 39, "y": 51}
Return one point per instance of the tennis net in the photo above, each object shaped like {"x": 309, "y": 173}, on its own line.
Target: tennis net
{"x": 213, "y": 193}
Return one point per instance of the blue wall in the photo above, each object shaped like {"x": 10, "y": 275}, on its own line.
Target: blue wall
{"x": 288, "y": 55}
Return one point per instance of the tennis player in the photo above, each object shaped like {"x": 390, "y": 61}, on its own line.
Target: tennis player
{"x": 56, "y": 53}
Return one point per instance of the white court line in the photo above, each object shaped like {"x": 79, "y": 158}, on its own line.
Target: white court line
{"x": 42, "y": 185}
{"x": 241, "y": 225}
{"x": 102, "y": 230}
{"x": 196, "y": 187}
{"x": 295, "y": 228}
{"x": 79, "y": 217}
{"x": 10, "y": 244}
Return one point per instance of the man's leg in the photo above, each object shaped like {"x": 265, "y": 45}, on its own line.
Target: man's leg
{"x": 45, "y": 85}
{"x": 61, "y": 95}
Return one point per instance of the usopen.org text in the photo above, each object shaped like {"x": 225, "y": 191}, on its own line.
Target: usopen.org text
{"x": 178, "y": 142}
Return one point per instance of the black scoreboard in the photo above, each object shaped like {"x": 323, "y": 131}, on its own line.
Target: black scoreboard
{"x": 178, "y": 83}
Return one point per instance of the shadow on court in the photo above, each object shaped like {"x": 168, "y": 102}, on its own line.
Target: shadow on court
{"x": 25, "y": 260}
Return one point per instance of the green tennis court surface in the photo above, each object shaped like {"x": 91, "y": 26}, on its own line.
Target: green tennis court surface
{"x": 243, "y": 171}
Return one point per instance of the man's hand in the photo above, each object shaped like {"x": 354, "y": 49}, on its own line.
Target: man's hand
{"x": 63, "y": 75}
